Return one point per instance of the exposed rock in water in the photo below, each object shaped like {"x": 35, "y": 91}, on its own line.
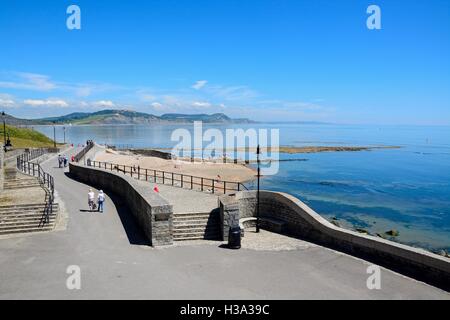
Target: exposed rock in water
{"x": 337, "y": 224}
{"x": 393, "y": 233}
{"x": 363, "y": 231}
{"x": 444, "y": 253}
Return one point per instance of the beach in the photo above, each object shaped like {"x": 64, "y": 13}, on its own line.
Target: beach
{"x": 219, "y": 171}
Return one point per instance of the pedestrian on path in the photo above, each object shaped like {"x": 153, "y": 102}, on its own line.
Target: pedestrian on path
{"x": 100, "y": 201}
{"x": 91, "y": 196}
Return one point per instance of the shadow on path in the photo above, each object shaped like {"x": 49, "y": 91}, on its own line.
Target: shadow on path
{"x": 134, "y": 234}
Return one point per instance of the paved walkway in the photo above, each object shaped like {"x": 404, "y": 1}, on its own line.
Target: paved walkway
{"x": 116, "y": 263}
{"x": 188, "y": 201}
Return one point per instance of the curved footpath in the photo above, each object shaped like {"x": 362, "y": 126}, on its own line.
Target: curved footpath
{"x": 116, "y": 263}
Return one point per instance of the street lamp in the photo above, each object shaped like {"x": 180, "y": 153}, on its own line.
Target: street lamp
{"x": 4, "y": 129}
{"x": 54, "y": 134}
{"x": 64, "y": 129}
{"x": 258, "y": 152}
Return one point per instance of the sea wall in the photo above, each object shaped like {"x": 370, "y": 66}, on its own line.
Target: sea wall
{"x": 153, "y": 153}
{"x": 153, "y": 214}
{"x": 302, "y": 222}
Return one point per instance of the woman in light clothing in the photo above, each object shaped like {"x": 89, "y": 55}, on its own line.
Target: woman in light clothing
{"x": 100, "y": 200}
{"x": 91, "y": 196}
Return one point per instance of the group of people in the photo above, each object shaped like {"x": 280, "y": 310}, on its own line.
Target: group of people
{"x": 100, "y": 201}
{"x": 62, "y": 161}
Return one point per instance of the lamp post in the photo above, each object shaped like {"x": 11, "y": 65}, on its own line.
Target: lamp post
{"x": 258, "y": 152}
{"x": 54, "y": 134}
{"x": 64, "y": 129}
{"x": 4, "y": 129}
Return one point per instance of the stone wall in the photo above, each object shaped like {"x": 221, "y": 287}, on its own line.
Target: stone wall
{"x": 153, "y": 213}
{"x": 302, "y": 222}
{"x": 153, "y": 153}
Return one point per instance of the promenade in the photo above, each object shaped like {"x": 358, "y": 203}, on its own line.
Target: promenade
{"x": 117, "y": 263}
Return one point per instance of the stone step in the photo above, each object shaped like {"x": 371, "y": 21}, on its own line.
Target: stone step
{"x": 196, "y": 221}
{"x": 20, "y": 180}
{"x": 25, "y": 214}
{"x": 195, "y": 216}
{"x": 26, "y": 230}
{"x": 195, "y": 228}
{"x": 20, "y": 183}
{"x": 20, "y": 187}
{"x": 26, "y": 225}
{"x": 25, "y": 205}
{"x": 179, "y": 233}
{"x": 27, "y": 211}
{"x": 26, "y": 219}
{"x": 186, "y": 237}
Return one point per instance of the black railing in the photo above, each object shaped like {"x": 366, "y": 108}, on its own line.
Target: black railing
{"x": 36, "y": 153}
{"x": 172, "y": 178}
{"x": 46, "y": 181}
{"x": 82, "y": 153}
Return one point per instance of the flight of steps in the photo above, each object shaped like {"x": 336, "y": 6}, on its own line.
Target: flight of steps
{"x": 26, "y": 218}
{"x": 20, "y": 183}
{"x": 195, "y": 226}
{"x": 17, "y": 180}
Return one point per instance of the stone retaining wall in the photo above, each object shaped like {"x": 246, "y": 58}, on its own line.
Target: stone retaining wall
{"x": 153, "y": 213}
{"x": 302, "y": 222}
{"x": 153, "y": 153}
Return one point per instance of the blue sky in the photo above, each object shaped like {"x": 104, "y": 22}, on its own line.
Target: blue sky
{"x": 290, "y": 60}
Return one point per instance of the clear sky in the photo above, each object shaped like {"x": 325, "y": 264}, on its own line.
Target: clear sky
{"x": 312, "y": 60}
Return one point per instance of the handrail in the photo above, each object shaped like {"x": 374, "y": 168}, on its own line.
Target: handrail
{"x": 172, "y": 178}
{"x": 82, "y": 153}
{"x": 46, "y": 181}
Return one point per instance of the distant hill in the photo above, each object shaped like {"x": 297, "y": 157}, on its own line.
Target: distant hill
{"x": 125, "y": 117}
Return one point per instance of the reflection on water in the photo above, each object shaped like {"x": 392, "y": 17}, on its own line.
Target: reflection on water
{"x": 407, "y": 189}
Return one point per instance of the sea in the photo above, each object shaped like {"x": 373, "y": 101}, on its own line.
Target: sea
{"x": 405, "y": 189}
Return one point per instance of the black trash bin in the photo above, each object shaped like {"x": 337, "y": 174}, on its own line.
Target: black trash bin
{"x": 234, "y": 238}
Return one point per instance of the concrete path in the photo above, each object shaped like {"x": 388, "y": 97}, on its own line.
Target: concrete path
{"x": 187, "y": 201}
{"x": 116, "y": 263}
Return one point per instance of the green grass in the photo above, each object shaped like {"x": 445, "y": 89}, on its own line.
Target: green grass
{"x": 26, "y": 138}
{"x": 89, "y": 119}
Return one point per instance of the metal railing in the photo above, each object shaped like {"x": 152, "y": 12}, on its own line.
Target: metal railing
{"x": 82, "y": 153}
{"x": 172, "y": 178}
{"x": 46, "y": 181}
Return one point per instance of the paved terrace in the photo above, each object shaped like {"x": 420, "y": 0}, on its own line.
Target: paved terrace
{"x": 116, "y": 263}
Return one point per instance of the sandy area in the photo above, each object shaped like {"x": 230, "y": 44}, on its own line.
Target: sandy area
{"x": 226, "y": 171}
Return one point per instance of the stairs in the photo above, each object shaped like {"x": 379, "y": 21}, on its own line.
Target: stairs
{"x": 196, "y": 226}
{"x": 12, "y": 184}
{"x": 26, "y": 218}
{"x": 17, "y": 180}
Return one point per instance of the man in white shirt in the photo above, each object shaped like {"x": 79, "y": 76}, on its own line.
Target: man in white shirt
{"x": 91, "y": 196}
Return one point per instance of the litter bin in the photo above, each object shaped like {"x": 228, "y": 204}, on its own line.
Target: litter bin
{"x": 234, "y": 238}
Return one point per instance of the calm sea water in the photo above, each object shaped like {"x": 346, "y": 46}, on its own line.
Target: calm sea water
{"x": 407, "y": 189}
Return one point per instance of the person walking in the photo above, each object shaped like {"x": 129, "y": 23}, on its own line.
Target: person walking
{"x": 91, "y": 196}
{"x": 65, "y": 161}
{"x": 100, "y": 201}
